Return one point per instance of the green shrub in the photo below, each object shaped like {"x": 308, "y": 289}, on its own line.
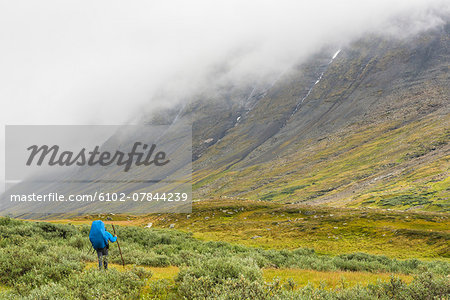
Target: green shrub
{"x": 218, "y": 269}
{"x": 208, "y": 277}
{"x": 24, "y": 268}
{"x": 51, "y": 291}
{"x": 95, "y": 284}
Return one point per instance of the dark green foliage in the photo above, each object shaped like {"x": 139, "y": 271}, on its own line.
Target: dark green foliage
{"x": 268, "y": 196}
{"x": 402, "y": 200}
{"x": 286, "y": 191}
{"x": 292, "y": 189}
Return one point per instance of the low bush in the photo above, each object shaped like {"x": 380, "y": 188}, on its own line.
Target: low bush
{"x": 92, "y": 284}
{"x": 219, "y": 269}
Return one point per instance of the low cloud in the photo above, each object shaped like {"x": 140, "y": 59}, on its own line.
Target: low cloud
{"x": 99, "y": 62}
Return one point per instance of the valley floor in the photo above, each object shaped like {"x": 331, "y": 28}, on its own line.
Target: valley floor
{"x": 333, "y": 231}
{"x": 239, "y": 249}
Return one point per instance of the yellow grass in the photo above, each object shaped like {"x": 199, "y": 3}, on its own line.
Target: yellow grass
{"x": 330, "y": 278}
{"x": 3, "y": 288}
{"x": 158, "y": 272}
{"x": 301, "y": 277}
{"x": 164, "y": 272}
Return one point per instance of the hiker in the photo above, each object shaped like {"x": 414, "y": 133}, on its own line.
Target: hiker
{"x": 100, "y": 238}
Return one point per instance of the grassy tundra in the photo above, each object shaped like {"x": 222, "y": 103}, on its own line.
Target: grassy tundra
{"x": 53, "y": 260}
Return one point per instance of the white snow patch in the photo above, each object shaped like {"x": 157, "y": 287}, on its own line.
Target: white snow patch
{"x": 336, "y": 54}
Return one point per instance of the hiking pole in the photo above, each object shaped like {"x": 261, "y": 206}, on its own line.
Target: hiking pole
{"x": 118, "y": 245}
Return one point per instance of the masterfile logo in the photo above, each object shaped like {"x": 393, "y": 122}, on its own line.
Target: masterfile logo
{"x": 123, "y": 169}
{"x": 91, "y": 158}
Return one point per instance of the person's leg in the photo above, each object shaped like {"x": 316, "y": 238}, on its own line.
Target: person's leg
{"x": 99, "y": 255}
{"x": 105, "y": 258}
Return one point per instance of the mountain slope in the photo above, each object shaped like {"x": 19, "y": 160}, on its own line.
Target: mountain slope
{"x": 365, "y": 125}
{"x": 373, "y": 131}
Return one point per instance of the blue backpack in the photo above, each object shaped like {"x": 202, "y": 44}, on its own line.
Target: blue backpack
{"x": 98, "y": 235}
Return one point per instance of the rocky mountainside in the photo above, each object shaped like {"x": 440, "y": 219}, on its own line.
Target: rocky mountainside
{"x": 367, "y": 125}
{"x": 364, "y": 125}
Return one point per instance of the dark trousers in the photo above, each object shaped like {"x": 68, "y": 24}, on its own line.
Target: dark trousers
{"x": 102, "y": 255}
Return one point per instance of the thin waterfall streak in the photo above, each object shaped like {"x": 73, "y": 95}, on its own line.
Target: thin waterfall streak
{"x": 315, "y": 83}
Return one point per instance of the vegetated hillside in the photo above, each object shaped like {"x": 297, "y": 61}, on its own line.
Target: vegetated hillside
{"x": 369, "y": 127}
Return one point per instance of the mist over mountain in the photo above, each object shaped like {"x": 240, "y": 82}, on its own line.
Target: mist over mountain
{"x": 366, "y": 124}
{"x": 319, "y": 102}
